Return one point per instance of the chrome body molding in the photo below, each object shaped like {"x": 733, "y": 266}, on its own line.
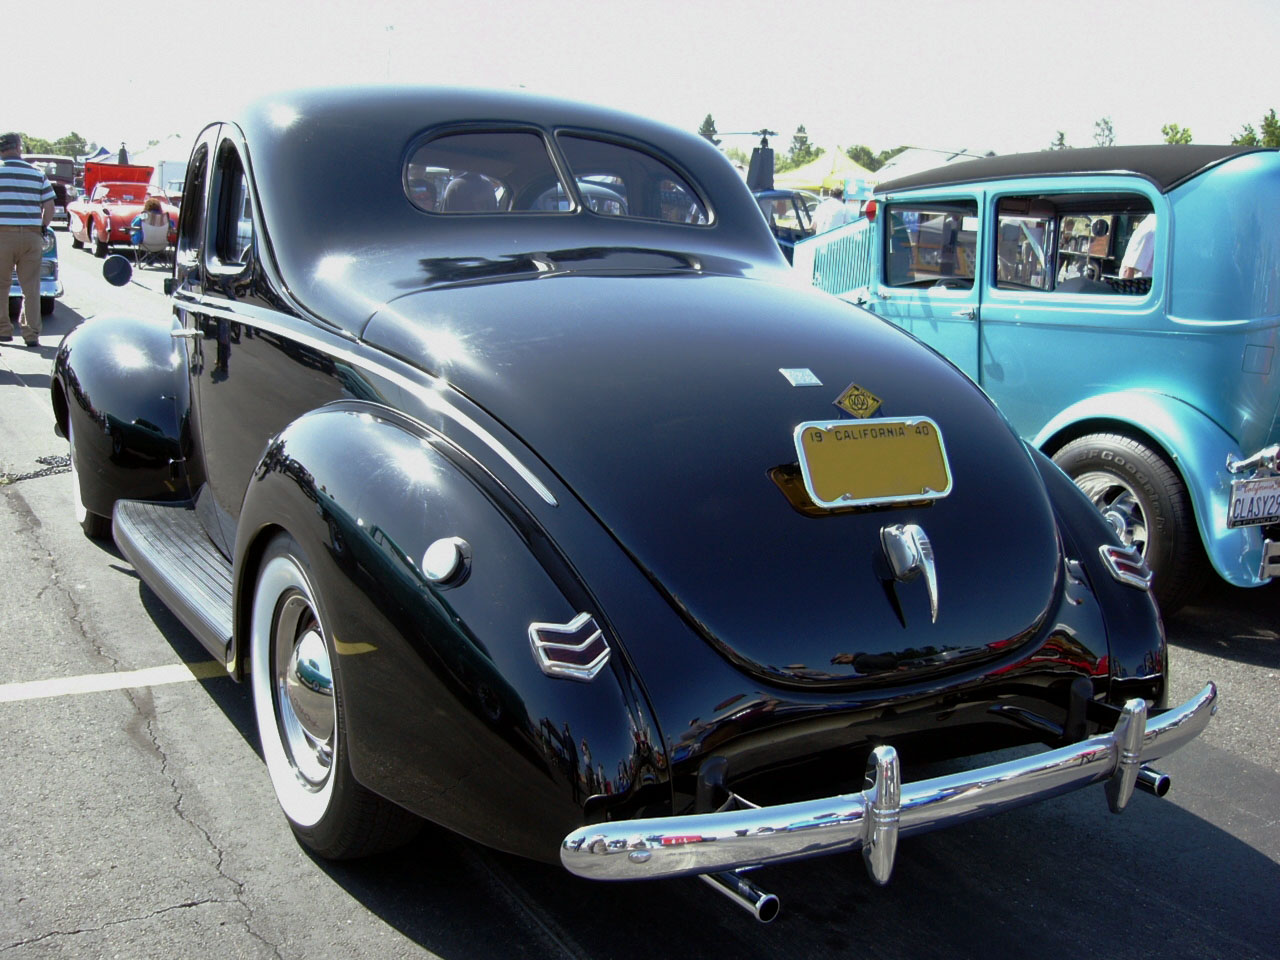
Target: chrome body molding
{"x": 873, "y": 819}
{"x": 910, "y": 554}
{"x": 1127, "y": 564}
{"x": 430, "y": 393}
{"x": 576, "y": 650}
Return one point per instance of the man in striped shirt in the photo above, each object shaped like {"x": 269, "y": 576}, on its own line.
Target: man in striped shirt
{"x": 26, "y": 207}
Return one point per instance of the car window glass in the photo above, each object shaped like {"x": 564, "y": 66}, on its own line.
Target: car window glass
{"x": 617, "y": 180}
{"x": 191, "y": 223}
{"x": 467, "y": 173}
{"x": 231, "y": 209}
{"x": 1075, "y": 243}
{"x": 931, "y": 244}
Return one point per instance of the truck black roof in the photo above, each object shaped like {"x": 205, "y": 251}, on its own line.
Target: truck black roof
{"x": 1164, "y": 165}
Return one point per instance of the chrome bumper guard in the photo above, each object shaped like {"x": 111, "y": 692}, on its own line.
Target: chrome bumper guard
{"x": 872, "y": 820}
{"x": 1270, "y": 559}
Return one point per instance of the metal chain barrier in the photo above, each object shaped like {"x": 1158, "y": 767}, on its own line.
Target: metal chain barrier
{"x": 57, "y": 463}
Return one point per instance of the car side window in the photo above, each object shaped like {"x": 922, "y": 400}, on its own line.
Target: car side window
{"x": 191, "y": 218}
{"x": 931, "y": 244}
{"x": 231, "y": 210}
{"x": 1076, "y": 243}
{"x": 640, "y": 185}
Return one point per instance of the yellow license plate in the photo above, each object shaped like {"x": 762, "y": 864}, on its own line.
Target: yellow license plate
{"x": 848, "y": 463}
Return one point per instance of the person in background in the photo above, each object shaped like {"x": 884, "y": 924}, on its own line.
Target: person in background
{"x": 833, "y": 212}
{"x": 1141, "y": 251}
{"x": 26, "y": 207}
{"x": 152, "y": 213}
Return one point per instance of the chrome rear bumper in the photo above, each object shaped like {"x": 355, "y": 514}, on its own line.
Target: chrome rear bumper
{"x": 873, "y": 819}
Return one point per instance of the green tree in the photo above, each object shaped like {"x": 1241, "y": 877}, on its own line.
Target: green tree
{"x": 801, "y": 152}
{"x": 1247, "y": 137}
{"x": 738, "y": 155}
{"x": 1176, "y": 134}
{"x": 1269, "y": 136}
{"x": 863, "y": 156}
{"x": 1060, "y": 142}
{"x": 1103, "y": 133}
{"x": 72, "y": 145}
{"x": 1270, "y": 130}
{"x": 708, "y": 130}
{"x": 32, "y": 144}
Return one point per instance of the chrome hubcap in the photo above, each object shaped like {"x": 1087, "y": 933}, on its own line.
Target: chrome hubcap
{"x": 1119, "y": 505}
{"x": 303, "y": 683}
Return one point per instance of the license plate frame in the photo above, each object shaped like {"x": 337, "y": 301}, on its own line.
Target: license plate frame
{"x": 886, "y": 460}
{"x": 1254, "y": 502}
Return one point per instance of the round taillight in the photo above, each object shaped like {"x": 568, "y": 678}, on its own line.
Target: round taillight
{"x": 869, "y": 211}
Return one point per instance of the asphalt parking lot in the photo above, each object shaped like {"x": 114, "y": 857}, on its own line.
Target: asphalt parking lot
{"x": 139, "y": 822}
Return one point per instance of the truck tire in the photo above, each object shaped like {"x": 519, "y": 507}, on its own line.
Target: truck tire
{"x": 1145, "y": 500}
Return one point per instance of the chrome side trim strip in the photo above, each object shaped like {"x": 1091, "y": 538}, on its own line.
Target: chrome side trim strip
{"x": 431, "y": 395}
{"x": 736, "y": 839}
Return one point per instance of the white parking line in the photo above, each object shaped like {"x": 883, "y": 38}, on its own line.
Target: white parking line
{"x": 96, "y": 682}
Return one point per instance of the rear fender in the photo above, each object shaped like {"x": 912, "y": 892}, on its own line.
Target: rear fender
{"x": 1137, "y": 653}
{"x": 120, "y": 384}
{"x": 447, "y": 711}
{"x": 1196, "y": 447}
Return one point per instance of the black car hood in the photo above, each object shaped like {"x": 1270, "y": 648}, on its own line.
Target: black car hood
{"x": 659, "y": 400}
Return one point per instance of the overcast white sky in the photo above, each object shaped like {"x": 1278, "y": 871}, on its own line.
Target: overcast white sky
{"x": 1000, "y": 75}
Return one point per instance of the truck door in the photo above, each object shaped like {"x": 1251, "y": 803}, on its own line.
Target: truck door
{"x": 928, "y": 282}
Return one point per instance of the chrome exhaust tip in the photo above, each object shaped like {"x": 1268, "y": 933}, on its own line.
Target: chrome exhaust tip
{"x": 763, "y": 906}
{"x": 1153, "y": 781}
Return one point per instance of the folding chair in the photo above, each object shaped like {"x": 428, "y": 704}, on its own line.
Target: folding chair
{"x": 155, "y": 244}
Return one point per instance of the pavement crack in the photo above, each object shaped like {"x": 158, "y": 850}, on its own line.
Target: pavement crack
{"x": 185, "y": 905}
{"x": 146, "y": 713}
{"x": 143, "y": 728}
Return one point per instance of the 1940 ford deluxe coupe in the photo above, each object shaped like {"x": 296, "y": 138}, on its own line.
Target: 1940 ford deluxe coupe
{"x": 471, "y": 439}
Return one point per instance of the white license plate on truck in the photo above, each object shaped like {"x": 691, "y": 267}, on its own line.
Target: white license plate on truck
{"x": 1254, "y": 501}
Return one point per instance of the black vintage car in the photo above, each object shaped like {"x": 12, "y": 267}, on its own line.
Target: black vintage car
{"x": 487, "y": 438}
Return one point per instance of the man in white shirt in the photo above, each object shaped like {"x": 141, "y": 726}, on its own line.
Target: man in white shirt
{"x": 833, "y": 212}
{"x": 1140, "y": 254}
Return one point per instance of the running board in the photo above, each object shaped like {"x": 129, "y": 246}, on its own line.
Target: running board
{"x": 174, "y": 557}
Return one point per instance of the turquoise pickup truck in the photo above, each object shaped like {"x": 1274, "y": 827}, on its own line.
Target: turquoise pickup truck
{"x": 1122, "y": 307}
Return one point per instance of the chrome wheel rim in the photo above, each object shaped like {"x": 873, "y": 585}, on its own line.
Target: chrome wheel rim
{"x": 1119, "y": 504}
{"x": 303, "y": 691}
{"x": 293, "y": 691}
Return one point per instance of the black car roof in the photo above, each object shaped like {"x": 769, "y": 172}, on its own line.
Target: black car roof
{"x": 328, "y": 166}
{"x": 1164, "y": 165}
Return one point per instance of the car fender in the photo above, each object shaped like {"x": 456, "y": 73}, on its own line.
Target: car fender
{"x": 1197, "y": 448}
{"x": 447, "y": 710}
{"x": 120, "y": 384}
{"x": 1137, "y": 657}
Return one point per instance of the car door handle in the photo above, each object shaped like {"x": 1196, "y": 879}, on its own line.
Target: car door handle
{"x": 186, "y": 332}
{"x": 969, "y": 313}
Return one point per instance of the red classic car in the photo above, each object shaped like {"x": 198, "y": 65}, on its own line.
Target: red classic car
{"x": 113, "y": 196}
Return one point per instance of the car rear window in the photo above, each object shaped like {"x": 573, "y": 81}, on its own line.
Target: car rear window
{"x": 512, "y": 172}
{"x": 644, "y": 186}
{"x": 488, "y": 172}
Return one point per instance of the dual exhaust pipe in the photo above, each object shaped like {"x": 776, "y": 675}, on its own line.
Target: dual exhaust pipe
{"x": 765, "y": 907}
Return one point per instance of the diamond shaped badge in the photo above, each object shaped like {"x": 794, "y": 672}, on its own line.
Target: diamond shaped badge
{"x": 859, "y": 402}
